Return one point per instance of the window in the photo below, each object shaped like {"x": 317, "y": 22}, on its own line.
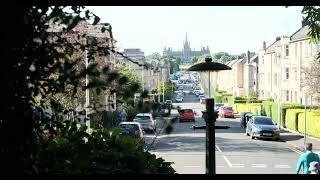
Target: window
{"x": 287, "y": 50}
{"x": 287, "y": 95}
{"x": 296, "y": 96}
{"x": 275, "y": 79}
{"x": 295, "y": 49}
{"x": 287, "y": 73}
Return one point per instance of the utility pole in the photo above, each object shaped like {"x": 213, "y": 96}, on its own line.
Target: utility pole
{"x": 162, "y": 85}
{"x": 305, "y": 120}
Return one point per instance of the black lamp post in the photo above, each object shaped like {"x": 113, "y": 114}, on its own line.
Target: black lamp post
{"x": 209, "y": 114}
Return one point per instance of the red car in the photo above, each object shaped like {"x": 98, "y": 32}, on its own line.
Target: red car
{"x": 226, "y": 111}
{"x": 187, "y": 115}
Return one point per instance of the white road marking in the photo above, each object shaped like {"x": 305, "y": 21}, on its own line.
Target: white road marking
{"x": 259, "y": 165}
{"x": 191, "y": 166}
{"x": 218, "y": 148}
{"x": 281, "y": 166}
{"x": 237, "y": 166}
{"x": 227, "y": 160}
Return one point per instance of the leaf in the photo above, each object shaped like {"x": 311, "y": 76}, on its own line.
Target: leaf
{"x": 96, "y": 20}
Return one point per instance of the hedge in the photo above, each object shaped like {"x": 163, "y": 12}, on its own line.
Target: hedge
{"x": 249, "y": 101}
{"x": 253, "y": 107}
{"x": 292, "y": 118}
{"x": 313, "y": 123}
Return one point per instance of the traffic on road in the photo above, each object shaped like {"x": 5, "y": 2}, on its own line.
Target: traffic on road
{"x": 235, "y": 152}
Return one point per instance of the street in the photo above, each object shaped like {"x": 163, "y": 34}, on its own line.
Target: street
{"x": 236, "y": 153}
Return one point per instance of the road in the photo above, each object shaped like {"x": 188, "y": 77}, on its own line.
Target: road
{"x": 236, "y": 153}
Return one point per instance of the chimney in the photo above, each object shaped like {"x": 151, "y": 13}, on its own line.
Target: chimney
{"x": 278, "y": 39}
{"x": 248, "y": 56}
{"x": 264, "y": 45}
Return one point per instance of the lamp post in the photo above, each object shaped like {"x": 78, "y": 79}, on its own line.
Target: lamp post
{"x": 209, "y": 114}
{"x": 162, "y": 84}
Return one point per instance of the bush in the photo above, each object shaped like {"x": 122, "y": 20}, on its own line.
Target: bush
{"x": 75, "y": 152}
{"x": 253, "y": 108}
{"x": 132, "y": 112}
{"x": 290, "y": 119}
{"x": 313, "y": 123}
{"x": 249, "y": 101}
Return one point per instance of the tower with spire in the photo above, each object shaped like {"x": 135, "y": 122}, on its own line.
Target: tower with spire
{"x": 186, "y": 54}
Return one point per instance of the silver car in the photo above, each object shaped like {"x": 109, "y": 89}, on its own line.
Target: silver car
{"x": 147, "y": 122}
{"x": 262, "y": 127}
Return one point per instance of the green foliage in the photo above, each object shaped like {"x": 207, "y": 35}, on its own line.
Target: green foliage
{"x": 312, "y": 16}
{"x": 254, "y": 108}
{"x": 313, "y": 123}
{"x": 169, "y": 89}
{"x": 249, "y": 101}
{"x": 76, "y": 152}
{"x": 47, "y": 65}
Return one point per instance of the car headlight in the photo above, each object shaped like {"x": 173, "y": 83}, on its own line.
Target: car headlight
{"x": 258, "y": 130}
{"x": 277, "y": 131}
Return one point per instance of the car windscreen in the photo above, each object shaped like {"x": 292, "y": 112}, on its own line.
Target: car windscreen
{"x": 129, "y": 126}
{"x": 142, "y": 118}
{"x": 227, "y": 108}
{"x": 186, "y": 111}
{"x": 263, "y": 121}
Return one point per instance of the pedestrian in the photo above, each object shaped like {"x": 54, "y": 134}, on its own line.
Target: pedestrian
{"x": 314, "y": 167}
{"x": 306, "y": 158}
{"x": 123, "y": 115}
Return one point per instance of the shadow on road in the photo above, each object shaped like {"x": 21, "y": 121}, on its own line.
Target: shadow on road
{"x": 181, "y": 143}
{"x": 233, "y": 145}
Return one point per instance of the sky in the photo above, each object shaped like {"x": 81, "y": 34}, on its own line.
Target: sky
{"x": 232, "y": 29}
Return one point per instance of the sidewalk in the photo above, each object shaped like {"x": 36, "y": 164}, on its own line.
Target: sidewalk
{"x": 296, "y": 140}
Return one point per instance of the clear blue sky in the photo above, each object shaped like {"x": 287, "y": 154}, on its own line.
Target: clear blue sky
{"x": 224, "y": 28}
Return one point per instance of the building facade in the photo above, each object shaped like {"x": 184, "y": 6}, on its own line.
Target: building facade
{"x": 151, "y": 72}
{"x": 282, "y": 67}
{"x": 242, "y": 79}
{"x": 186, "y": 54}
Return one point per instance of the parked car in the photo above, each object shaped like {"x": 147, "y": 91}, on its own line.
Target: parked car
{"x": 196, "y": 92}
{"x": 262, "y": 127}
{"x": 147, "y": 122}
{"x": 217, "y": 106}
{"x": 202, "y": 99}
{"x": 186, "y": 115}
{"x": 180, "y": 94}
{"x": 179, "y": 99}
{"x": 226, "y": 111}
{"x": 132, "y": 129}
{"x": 169, "y": 104}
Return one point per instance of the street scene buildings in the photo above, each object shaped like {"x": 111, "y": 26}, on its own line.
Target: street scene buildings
{"x": 85, "y": 101}
{"x": 186, "y": 54}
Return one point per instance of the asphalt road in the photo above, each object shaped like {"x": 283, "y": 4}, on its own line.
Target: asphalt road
{"x": 236, "y": 153}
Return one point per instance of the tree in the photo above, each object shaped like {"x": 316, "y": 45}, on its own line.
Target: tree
{"x": 312, "y": 18}
{"x": 39, "y": 63}
{"x": 311, "y": 78}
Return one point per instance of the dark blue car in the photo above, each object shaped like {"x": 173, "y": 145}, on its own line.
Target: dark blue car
{"x": 262, "y": 127}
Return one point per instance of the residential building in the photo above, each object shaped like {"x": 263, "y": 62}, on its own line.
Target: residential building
{"x": 241, "y": 80}
{"x": 282, "y": 67}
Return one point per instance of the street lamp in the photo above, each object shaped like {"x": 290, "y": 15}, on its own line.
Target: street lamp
{"x": 209, "y": 114}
